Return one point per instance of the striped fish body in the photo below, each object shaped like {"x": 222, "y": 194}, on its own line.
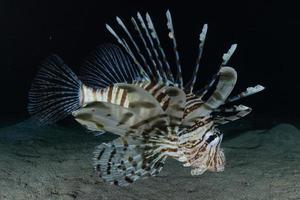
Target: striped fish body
{"x": 139, "y": 108}
{"x": 162, "y": 110}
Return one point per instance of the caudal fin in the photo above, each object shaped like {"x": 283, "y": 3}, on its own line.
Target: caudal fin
{"x": 55, "y": 92}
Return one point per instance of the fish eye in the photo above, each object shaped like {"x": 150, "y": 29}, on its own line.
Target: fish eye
{"x": 211, "y": 138}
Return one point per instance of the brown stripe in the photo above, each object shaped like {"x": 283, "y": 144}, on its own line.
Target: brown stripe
{"x": 217, "y": 154}
{"x": 168, "y": 150}
{"x": 109, "y": 95}
{"x": 190, "y": 109}
{"x": 188, "y": 103}
{"x": 192, "y": 129}
{"x": 214, "y": 161}
{"x": 166, "y": 104}
{"x": 157, "y": 89}
{"x": 150, "y": 86}
{"x": 160, "y": 97}
{"x": 123, "y": 98}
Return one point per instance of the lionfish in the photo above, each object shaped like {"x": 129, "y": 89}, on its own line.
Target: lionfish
{"x": 135, "y": 95}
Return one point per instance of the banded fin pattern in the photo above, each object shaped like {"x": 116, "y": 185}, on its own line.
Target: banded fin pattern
{"x": 225, "y": 59}
{"x": 205, "y": 153}
{"x": 190, "y": 85}
{"x": 171, "y": 99}
{"x": 150, "y": 40}
{"x": 249, "y": 91}
{"x": 175, "y": 106}
{"x": 126, "y": 159}
{"x": 223, "y": 116}
{"x": 227, "y": 80}
{"x": 155, "y": 37}
{"x": 179, "y": 79}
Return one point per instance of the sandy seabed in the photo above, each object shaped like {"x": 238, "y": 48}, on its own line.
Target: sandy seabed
{"x": 56, "y": 163}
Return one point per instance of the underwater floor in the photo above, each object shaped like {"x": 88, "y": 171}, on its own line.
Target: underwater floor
{"x": 56, "y": 163}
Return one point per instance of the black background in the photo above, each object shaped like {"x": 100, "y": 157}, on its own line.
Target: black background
{"x": 267, "y": 33}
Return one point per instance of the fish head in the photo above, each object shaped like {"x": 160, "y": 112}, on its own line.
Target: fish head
{"x": 202, "y": 151}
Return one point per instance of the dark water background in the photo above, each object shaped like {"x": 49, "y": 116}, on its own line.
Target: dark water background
{"x": 267, "y": 33}
{"x": 55, "y": 162}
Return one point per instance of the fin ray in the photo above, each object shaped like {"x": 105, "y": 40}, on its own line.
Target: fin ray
{"x": 127, "y": 159}
{"x": 108, "y": 65}
{"x": 54, "y": 93}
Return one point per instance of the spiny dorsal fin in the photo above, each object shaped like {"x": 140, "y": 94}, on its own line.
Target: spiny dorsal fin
{"x": 158, "y": 73}
{"x": 190, "y": 86}
{"x": 128, "y": 50}
{"x": 156, "y": 38}
{"x": 161, "y": 72}
{"x": 172, "y": 37}
{"x": 151, "y": 73}
{"x": 225, "y": 58}
{"x": 149, "y": 53}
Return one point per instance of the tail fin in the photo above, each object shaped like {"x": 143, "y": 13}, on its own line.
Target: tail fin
{"x": 55, "y": 92}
